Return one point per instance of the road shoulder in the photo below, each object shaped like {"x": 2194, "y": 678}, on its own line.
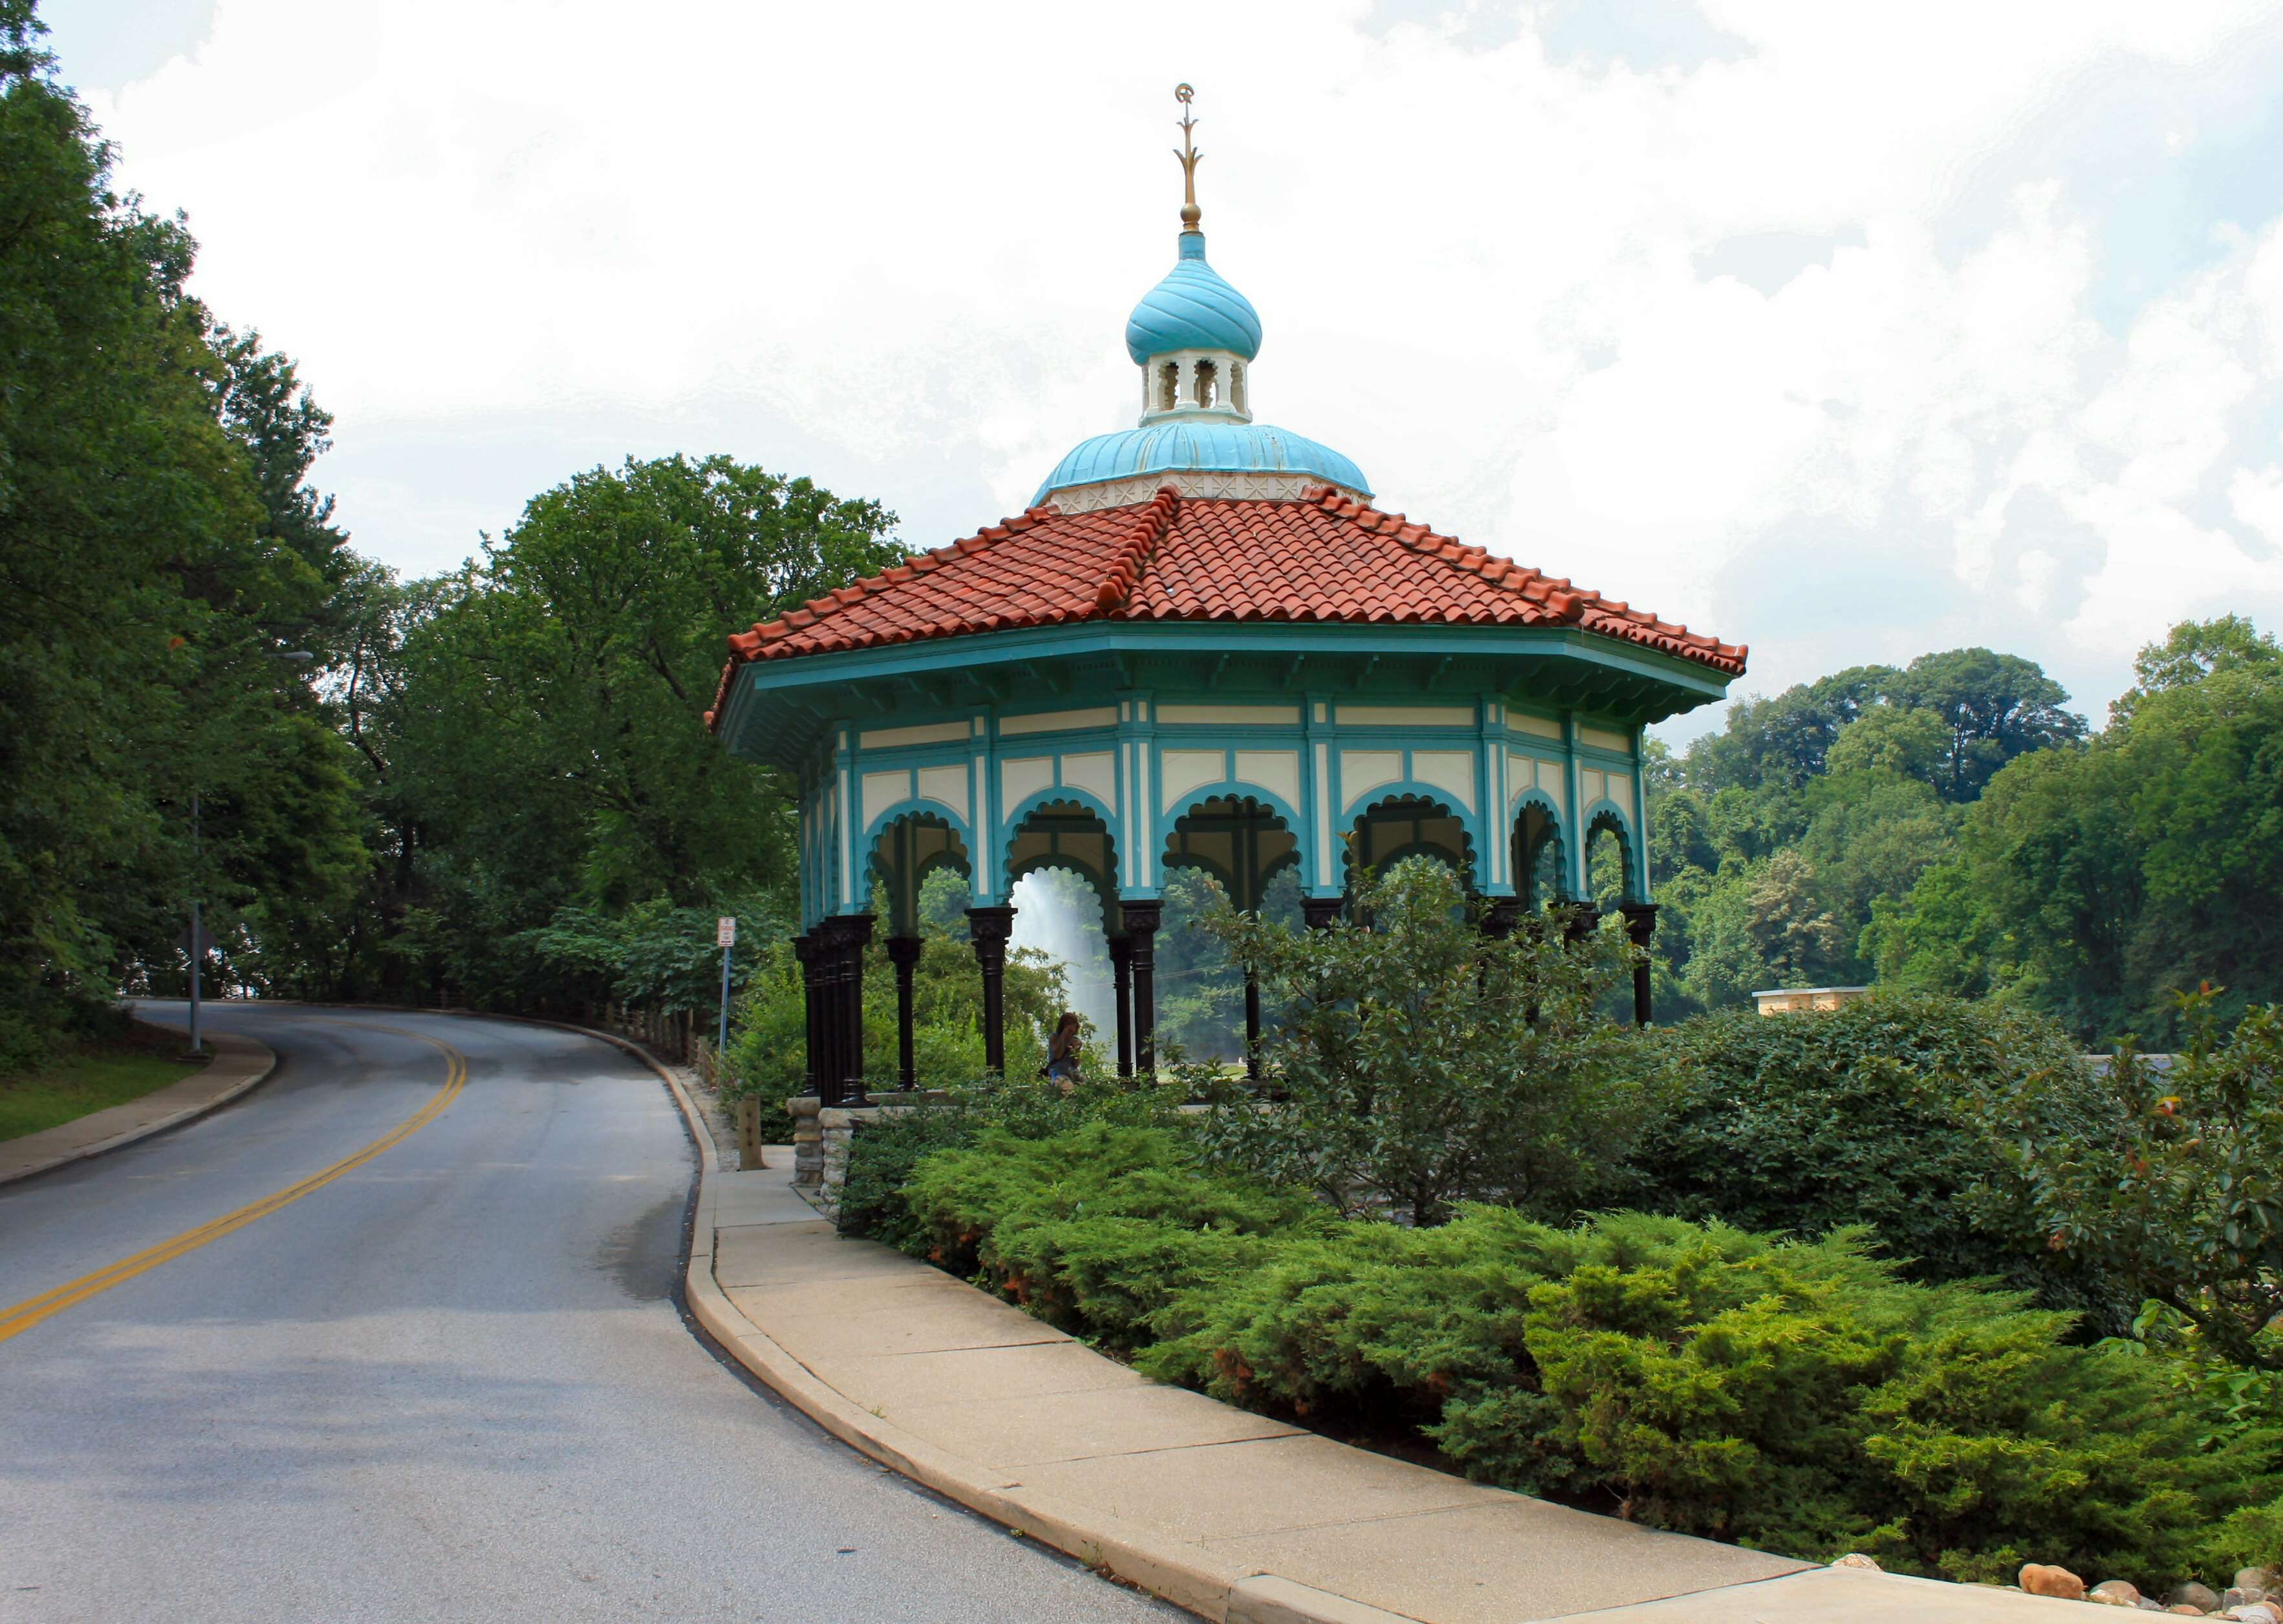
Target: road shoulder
{"x": 239, "y": 1065}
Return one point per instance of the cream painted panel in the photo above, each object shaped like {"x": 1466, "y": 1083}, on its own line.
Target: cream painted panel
{"x": 1451, "y": 771}
{"x": 1406, "y": 715}
{"x": 882, "y": 790}
{"x": 1621, "y": 791}
{"x": 1277, "y": 770}
{"x": 1248, "y": 715}
{"x": 1589, "y": 786}
{"x": 1094, "y": 772}
{"x": 946, "y": 785}
{"x": 1323, "y": 812}
{"x": 1362, "y": 771}
{"x": 1544, "y": 727}
{"x": 1602, "y": 739}
{"x": 927, "y": 733}
{"x": 1188, "y": 769}
{"x": 1023, "y": 778}
{"x": 1060, "y": 721}
{"x": 1519, "y": 770}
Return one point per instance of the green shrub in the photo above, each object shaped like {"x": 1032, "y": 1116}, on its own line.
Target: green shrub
{"x": 1097, "y": 1227}
{"x": 1808, "y": 1124}
{"x": 1794, "y": 1394}
{"x": 2169, "y": 1178}
{"x": 1417, "y": 1061}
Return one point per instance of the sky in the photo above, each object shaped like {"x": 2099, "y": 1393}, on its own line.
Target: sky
{"x": 1846, "y": 331}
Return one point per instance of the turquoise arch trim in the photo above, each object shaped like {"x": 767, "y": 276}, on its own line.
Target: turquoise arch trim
{"x": 1412, "y": 789}
{"x": 1009, "y": 820}
{"x": 1193, "y": 801}
{"x": 1536, "y": 797}
{"x": 1608, "y": 811}
{"x": 917, "y": 806}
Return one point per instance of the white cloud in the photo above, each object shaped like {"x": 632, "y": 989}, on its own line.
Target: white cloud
{"x": 893, "y": 247}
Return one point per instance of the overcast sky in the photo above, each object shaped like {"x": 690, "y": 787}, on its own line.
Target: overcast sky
{"x": 1846, "y": 330}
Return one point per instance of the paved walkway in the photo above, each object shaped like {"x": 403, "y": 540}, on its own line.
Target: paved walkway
{"x": 1232, "y": 1515}
{"x": 239, "y": 1063}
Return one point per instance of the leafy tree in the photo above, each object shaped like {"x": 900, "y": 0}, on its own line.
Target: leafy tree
{"x": 1419, "y": 1063}
{"x": 2172, "y": 1179}
{"x": 1794, "y": 936}
{"x": 142, "y": 598}
{"x": 2192, "y": 651}
{"x": 1997, "y": 706}
{"x": 2096, "y": 883}
{"x": 1809, "y": 1125}
{"x": 1784, "y": 741}
{"x": 573, "y": 661}
{"x": 1911, "y": 743}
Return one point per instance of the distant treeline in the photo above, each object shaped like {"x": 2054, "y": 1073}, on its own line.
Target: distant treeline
{"x": 1951, "y": 826}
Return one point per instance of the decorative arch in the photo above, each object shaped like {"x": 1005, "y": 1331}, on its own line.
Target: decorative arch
{"x": 1051, "y": 794}
{"x": 904, "y": 848}
{"x": 1243, "y": 839}
{"x": 1066, "y": 829}
{"x": 1411, "y": 821}
{"x": 1540, "y": 852}
{"x": 1605, "y": 817}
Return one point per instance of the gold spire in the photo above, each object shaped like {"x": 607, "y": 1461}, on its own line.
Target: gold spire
{"x": 1188, "y": 155}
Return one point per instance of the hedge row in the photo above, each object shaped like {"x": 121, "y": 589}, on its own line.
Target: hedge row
{"x": 1796, "y": 1394}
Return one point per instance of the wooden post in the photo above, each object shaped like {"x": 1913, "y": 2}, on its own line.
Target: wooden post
{"x": 749, "y": 1132}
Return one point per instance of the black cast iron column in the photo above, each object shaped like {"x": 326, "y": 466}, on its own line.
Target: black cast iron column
{"x": 1121, "y": 984}
{"x": 1142, "y": 920}
{"x": 1641, "y": 925}
{"x": 903, "y": 952}
{"x": 806, "y": 952}
{"x": 845, "y": 936}
{"x": 989, "y": 928}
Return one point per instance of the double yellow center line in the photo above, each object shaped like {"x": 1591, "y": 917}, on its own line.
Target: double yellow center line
{"x": 23, "y": 1315}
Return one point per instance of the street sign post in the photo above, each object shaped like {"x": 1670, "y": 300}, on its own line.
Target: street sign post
{"x": 725, "y": 936}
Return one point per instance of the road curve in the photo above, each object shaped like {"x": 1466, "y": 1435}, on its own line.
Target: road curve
{"x": 448, "y": 1383}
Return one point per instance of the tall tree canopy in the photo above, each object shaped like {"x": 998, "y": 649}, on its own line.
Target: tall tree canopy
{"x": 146, "y": 595}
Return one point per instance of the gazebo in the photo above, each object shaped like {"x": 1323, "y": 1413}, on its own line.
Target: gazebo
{"x": 1200, "y": 645}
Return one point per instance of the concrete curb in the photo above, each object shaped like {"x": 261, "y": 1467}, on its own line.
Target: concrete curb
{"x": 251, "y": 1060}
{"x": 1169, "y": 1569}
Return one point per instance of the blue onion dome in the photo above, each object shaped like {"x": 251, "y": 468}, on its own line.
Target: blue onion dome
{"x": 1242, "y": 452}
{"x": 1192, "y": 308}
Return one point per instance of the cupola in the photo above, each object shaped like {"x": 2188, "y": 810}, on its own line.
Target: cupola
{"x": 1194, "y": 337}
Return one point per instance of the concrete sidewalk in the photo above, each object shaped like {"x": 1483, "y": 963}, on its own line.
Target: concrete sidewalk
{"x": 239, "y": 1063}
{"x": 1232, "y": 1515}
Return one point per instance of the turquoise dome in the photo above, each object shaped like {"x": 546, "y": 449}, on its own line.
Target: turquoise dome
{"x": 1213, "y": 448}
{"x": 1192, "y": 308}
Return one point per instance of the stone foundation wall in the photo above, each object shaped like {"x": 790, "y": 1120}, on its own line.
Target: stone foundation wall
{"x": 821, "y": 1135}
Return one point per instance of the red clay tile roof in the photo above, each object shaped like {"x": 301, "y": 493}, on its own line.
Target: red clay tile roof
{"x": 1324, "y": 559}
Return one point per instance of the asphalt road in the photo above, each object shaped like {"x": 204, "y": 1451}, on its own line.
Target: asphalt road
{"x": 448, "y": 1383}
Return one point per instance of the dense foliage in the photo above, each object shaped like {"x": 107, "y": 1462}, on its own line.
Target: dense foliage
{"x": 1417, "y": 1061}
{"x": 2171, "y": 1177}
{"x": 1793, "y": 1394}
{"x": 1949, "y": 826}
{"x": 1860, "y": 1117}
{"x": 157, "y": 558}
